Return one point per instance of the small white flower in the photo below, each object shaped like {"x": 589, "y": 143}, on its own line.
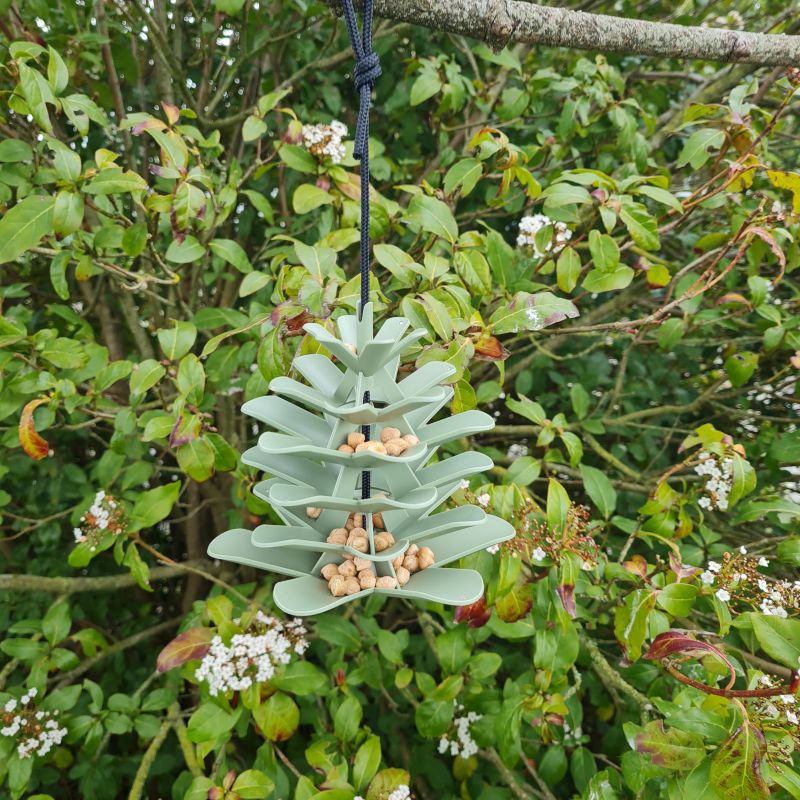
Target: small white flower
{"x": 714, "y": 566}
{"x": 538, "y": 555}
{"x": 723, "y": 595}
{"x": 493, "y": 549}
{"x": 483, "y": 499}
{"x": 743, "y": 550}
{"x": 707, "y": 577}
{"x": 763, "y": 562}
{"x": 463, "y": 484}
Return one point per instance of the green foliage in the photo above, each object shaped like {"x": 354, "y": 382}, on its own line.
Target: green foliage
{"x": 166, "y": 224}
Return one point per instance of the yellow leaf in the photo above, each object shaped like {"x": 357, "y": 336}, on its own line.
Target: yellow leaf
{"x": 787, "y": 180}
{"x": 33, "y": 444}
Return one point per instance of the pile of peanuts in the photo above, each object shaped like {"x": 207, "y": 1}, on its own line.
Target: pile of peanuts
{"x": 356, "y": 574}
{"x": 391, "y": 443}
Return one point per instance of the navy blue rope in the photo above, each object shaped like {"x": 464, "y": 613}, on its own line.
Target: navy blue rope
{"x": 367, "y": 71}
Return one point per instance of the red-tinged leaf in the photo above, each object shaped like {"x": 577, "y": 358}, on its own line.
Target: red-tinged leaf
{"x": 681, "y": 570}
{"x": 636, "y": 565}
{"x": 189, "y": 433}
{"x": 731, "y": 298}
{"x": 516, "y": 604}
{"x": 672, "y": 643}
{"x": 490, "y": 348}
{"x": 187, "y": 646}
{"x": 171, "y": 112}
{"x": 673, "y": 749}
{"x": 475, "y": 615}
{"x": 149, "y": 124}
{"x": 736, "y": 765}
{"x": 566, "y": 591}
{"x": 294, "y": 325}
{"x": 771, "y": 242}
{"x": 32, "y": 443}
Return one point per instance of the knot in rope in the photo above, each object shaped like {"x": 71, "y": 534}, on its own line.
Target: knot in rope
{"x": 367, "y": 71}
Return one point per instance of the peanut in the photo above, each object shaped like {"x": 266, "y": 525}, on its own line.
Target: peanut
{"x": 352, "y": 586}
{"x": 358, "y": 531}
{"x": 398, "y": 561}
{"x": 362, "y": 563}
{"x": 382, "y": 541}
{"x": 329, "y": 570}
{"x": 362, "y": 448}
{"x": 367, "y": 581}
{"x": 377, "y": 520}
{"x": 355, "y": 438}
{"x": 411, "y": 439}
{"x": 337, "y": 536}
{"x": 394, "y": 449}
{"x": 386, "y": 582}
{"x": 425, "y": 558}
{"x": 347, "y": 569}
{"x": 411, "y": 563}
{"x": 403, "y": 575}
{"x": 345, "y": 448}
{"x": 376, "y": 447}
{"x": 387, "y": 434}
{"x": 412, "y": 550}
{"x": 337, "y": 586}
{"x": 360, "y": 543}
{"x": 313, "y": 513}
{"x": 358, "y": 519}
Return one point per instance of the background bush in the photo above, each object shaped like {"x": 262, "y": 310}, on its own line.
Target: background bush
{"x": 165, "y": 234}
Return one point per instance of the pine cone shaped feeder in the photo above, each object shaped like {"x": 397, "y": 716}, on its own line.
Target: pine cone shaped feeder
{"x": 310, "y": 472}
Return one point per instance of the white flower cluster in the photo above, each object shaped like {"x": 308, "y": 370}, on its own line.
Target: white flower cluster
{"x": 461, "y": 743}
{"x": 784, "y": 705}
{"x": 104, "y": 515}
{"x": 529, "y": 226}
{"x": 325, "y": 140}
{"x": 719, "y": 480}
{"x": 402, "y": 792}
{"x": 517, "y": 451}
{"x": 36, "y": 731}
{"x": 252, "y": 656}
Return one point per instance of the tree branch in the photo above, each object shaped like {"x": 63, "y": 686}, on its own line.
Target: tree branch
{"x": 66, "y": 585}
{"x": 499, "y": 22}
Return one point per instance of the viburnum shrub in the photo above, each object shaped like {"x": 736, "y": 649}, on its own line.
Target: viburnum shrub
{"x": 604, "y": 249}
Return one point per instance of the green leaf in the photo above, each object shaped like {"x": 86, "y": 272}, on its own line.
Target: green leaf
{"x": 366, "y": 762}
{"x": 641, "y": 225}
{"x": 298, "y": 158}
{"x": 37, "y": 92}
{"x": 599, "y": 489}
{"x": 740, "y": 367}
{"x": 252, "y": 282}
{"x": 557, "y": 506}
{"x": 604, "y": 250}
{"x": 252, "y": 784}
{"x": 677, "y": 598}
{"x": 25, "y": 225}
{"x": 196, "y": 458}
{"x": 68, "y": 212}
{"x": 146, "y": 375}
{"x": 630, "y": 621}
{"x": 254, "y": 128}
{"x": 58, "y": 275}
{"x": 176, "y": 341}
{"x": 599, "y": 281}
{"x": 154, "y": 505}
{"x": 307, "y": 197}
{"x": 432, "y": 215}
{"x": 779, "y": 638}
{"x": 302, "y": 678}
{"x": 464, "y": 174}
{"x": 424, "y": 87}
{"x": 568, "y": 269}
{"x": 736, "y": 765}
{"x": 57, "y": 622}
{"x": 186, "y": 251}
{"x": 57, "y": 72}
{"x": 210, "y": 722}
{"x": 696, "y": 148}
{"x": 278, "y": 717}
{"x": 66, "y": 162}
{"x": 13, "y": 151}
{"x": 115, "y": 180}
{"x": 347, "y": 719}
{"x": 134, "y": 240}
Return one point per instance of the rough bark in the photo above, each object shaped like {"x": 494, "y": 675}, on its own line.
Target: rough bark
{"x": 499, "y": 22}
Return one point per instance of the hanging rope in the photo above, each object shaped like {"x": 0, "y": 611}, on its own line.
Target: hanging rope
{"x": 367, "y": 71}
